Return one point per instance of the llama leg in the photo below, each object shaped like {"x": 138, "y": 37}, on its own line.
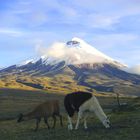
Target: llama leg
{"x": 54, "y": 119}
{"x": 70, "y": 127}
{"x": 78, "y": 119}
{"x": 46, "y": 122}
{"x": 61, "y": 122}
{"x": 85, "y": 121}
{"x": 37, "y": 123}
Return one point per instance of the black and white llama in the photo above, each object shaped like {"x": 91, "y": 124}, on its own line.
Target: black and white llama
{"x": 82, "y": 102}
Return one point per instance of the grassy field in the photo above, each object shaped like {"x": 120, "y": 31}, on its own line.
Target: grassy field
{"x": 125, "y": 122}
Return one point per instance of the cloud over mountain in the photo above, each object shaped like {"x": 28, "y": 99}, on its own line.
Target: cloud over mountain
{"x": 134, "y": 69}
{"x": 75, "y": 51}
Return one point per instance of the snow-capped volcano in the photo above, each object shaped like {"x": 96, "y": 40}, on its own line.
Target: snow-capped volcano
{"x": 74, "y": 62}
{"x": 75, "y": 51}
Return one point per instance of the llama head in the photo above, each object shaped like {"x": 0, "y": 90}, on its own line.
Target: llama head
{"x": 106, "y": 123}
{"x": 20, "y": 117}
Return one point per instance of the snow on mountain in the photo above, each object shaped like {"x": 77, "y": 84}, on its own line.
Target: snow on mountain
{"x": 90, "y": 49}
{"x": 95, "y": 55}
{"x": 75, "y": 51}
{"x": 25, "y": 62}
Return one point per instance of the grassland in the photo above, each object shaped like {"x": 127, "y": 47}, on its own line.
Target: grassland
{"x": 125, "y": 122}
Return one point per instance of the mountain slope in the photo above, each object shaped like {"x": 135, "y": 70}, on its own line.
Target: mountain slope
{"x": 79, "y": 67}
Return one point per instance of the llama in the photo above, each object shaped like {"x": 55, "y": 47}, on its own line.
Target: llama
{"x": 82, "y": 102}
{"x": 50, "y": 108}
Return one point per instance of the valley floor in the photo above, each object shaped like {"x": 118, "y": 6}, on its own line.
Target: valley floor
{"x": 125, "y": 122}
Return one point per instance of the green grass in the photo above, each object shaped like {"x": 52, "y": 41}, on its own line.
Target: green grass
{"x": 125, "y": 123}
{"x": 124, "y": 127}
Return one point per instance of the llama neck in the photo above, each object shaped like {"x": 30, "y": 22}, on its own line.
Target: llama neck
{"x": 100, "y": 114}
{"x": 29, "y": 115}
{"x": 99, "y": 111}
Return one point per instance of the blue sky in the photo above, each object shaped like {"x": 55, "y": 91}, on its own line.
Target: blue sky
{"x": 111, "y": 26}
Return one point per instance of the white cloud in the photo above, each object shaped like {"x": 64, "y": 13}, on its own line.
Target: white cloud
{"x": 114, "y": 39}
{"x": 134, "y": 69}
{"x": 97, "y": 14}
{"x": 11, "y": 32}
{"x": 74, "y": 55}
{"x": 105, "y": 14}
{"x": 101, "y": 21}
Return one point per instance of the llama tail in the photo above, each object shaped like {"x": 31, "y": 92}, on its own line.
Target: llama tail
{"x": 68, "y": 107}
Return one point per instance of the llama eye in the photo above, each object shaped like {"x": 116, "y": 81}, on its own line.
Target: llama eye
{"x": 108, "y": 122}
